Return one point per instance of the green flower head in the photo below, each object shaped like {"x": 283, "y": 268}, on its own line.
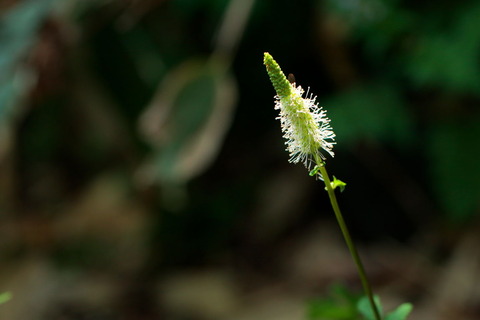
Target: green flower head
{"x": 305, "y": 125}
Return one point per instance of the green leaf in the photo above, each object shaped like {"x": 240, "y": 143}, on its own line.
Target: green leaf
{"x": 314, "y": 171}
{"x": 401, "y": 313}
{"x": 330, "y": 309}
{"x": 339, "y": 305}
{"x": 365, "y": 308}
{"x": 4, "y": 297}
{"x": 338, "y": 183}
{"x": 189, "y": 115}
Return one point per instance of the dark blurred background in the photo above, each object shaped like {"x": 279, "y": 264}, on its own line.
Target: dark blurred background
{"x": 143, "y": 174}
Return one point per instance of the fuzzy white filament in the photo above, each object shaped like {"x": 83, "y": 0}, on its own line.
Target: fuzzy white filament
{"x": 305, "y": 126}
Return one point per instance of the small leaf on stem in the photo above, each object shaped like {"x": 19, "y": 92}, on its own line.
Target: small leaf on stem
{"x": 335, "y": 183}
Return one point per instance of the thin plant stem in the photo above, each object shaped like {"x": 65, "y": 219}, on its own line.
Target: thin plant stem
{"x": 346, "y": 235}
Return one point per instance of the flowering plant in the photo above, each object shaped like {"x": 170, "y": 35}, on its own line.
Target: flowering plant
{"x": 307, "y": 131}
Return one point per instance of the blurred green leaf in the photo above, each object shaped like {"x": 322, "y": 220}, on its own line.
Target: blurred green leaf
{"x": 190, "y": 109}
{"x": 339, "y": 305}
{"x": 187, "y": 119}
{"x": 365, "y": 308}
{"x": 17, "y": 33}
{"x": 401, "y": 313}
{"x": 328, "y": 309}
{"x": 4, "y": 297}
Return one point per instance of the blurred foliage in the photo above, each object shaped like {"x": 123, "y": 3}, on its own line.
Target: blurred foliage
{"x": 146, "y": 85}
{"x": 340, "y": 305}
{"x": 5, "y": 296}
{"x": 400, "y": 313}
{"x": 146, "y": 90}
{"x": 343, "y": 305}
{"x": 381, "y": 110}
{"x": 18, "y": 32}
{"x": 399, "y": 75}
{"x": 447, "y": 57}
{"x": 427, "y": 64}
{"x": 456, "y": 172}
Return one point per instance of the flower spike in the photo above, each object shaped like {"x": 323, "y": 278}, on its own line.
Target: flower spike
{"x": 305, "y": 125}
{"x": 280, "y": 83}
{"x": 307, "y": 131}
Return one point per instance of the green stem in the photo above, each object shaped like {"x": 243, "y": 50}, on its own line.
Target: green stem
{"x": 346, "y": 235}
